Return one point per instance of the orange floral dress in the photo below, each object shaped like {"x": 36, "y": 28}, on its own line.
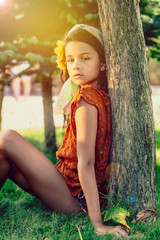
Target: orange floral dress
{"x": 67, "y": 153}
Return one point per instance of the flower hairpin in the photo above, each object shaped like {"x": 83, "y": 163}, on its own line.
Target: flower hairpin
{"x": 59, "y": 51}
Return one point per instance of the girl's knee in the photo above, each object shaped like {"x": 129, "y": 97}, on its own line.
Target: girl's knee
{"x": 6, "y": 138}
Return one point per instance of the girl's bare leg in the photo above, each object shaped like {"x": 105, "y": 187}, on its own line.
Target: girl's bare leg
{"x": 16, "y": 87}
{"x": 32, "y": 171}
{"x": 27, "y": 85}
{"x": 8, "y": 170}
{"x": 4, "y": 169}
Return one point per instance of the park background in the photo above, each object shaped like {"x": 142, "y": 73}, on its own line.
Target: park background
{"x": 29, "y": 31}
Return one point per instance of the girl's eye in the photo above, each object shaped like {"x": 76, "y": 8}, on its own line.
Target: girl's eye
{"x": 70, "y": 60}
{"x": 85, "y": 58}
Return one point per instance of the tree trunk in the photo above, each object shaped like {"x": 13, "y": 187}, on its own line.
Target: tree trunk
{"x": 132, "y": 152}
{"x": 2, "y": 84}
{"x": 48, "y": 114}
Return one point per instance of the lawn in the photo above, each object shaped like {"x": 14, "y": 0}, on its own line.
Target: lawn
{"x": 24, "y": 217}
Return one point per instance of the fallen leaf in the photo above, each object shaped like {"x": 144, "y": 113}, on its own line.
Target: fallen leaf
{"x": 118, "y": 215}
{"x": 145, "y": 215}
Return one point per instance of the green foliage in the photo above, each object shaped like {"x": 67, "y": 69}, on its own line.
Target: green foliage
{"x": 150, "y": 14}
{"x": 158, "y": 139}
{"x": 9, "y": 53}
{"x": 19, "y": 16}
{"x": 149, "y": 7}
{"x": 22, "y": 51}
{"x": 46, "y": 19}
{"x": 157, "y": 126}
{"x": 91, "y": 16}
{"x": 33, "y": 40}
{"x": 34, "y": 58}
{"x": 3, "y": 58}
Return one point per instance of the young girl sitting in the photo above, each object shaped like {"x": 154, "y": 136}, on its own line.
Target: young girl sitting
{"x": 78, "y": 179}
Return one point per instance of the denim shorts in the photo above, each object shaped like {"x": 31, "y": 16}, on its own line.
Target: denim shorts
{"x": 82, "y": 201}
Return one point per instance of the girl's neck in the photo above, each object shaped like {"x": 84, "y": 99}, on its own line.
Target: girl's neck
{"x": 90, "y": 84}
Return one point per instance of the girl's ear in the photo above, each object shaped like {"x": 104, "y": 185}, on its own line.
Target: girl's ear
{"x": 102, "y": 67}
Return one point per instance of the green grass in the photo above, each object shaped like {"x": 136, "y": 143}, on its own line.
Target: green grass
{"x": 24, "y": 217}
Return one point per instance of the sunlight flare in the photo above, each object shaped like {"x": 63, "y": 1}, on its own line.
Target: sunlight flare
{"x": 2, "y": 2}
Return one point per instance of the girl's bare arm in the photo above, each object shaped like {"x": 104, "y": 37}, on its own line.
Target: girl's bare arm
{"x": 86, "y": 127}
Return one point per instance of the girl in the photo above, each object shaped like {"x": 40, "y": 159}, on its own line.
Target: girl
{"x": 78, "y": 179}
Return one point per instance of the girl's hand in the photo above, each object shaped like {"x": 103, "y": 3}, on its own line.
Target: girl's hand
{"x": 119, "y": 231}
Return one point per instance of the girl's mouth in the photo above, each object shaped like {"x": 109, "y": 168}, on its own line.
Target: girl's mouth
{"x": 77, "y": 75}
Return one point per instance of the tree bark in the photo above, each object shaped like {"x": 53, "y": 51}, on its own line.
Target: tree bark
{"x": 132, "y": 155}
{"x": 48, "y": 114}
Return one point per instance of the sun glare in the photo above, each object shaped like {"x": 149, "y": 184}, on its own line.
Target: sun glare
{"x": 2, "y": 2}
{"x": 6, "y": 6}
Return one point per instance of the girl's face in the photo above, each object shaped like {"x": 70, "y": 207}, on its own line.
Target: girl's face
{"x": 83, "y": 63}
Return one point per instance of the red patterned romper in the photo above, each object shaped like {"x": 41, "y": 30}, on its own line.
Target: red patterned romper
{"x": 67, "y": 153}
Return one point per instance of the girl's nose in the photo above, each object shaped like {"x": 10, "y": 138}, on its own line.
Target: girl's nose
{"x": 76, "y": 64}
